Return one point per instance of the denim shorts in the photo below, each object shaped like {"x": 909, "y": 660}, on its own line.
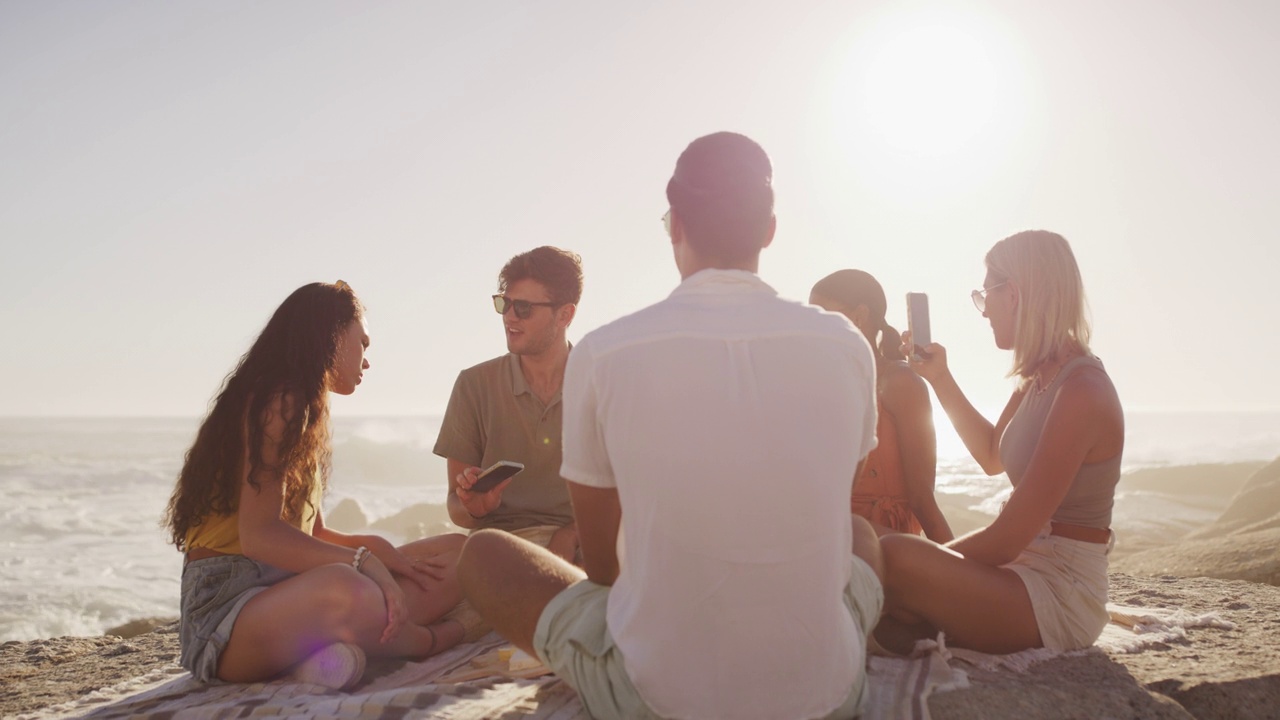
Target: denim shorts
{"x": 214, "y": 590}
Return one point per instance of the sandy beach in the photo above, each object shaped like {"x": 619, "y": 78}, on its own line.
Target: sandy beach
{"x": 1227, "y": 566}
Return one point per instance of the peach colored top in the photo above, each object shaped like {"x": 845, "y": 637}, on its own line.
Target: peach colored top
{"x": 880, "y": 492}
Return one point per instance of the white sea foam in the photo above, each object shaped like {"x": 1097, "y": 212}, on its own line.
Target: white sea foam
{"x": 81, "y": 547}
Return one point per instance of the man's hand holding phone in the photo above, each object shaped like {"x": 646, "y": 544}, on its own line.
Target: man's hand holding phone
{"x": 480, "y": 491}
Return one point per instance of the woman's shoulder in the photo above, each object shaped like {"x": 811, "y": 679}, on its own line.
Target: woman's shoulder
{"x": 1085, "y": 382}
{"x": 1086, "y": 371}
{"x": 899, "y": 373}
{"x": 900, "y": 384}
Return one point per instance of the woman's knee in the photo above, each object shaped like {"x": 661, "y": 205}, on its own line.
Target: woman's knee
{"x": 901, "y": 557}
{"x": 348, "y": 599}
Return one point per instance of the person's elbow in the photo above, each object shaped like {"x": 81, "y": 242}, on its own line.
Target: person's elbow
{"x": 253, "y": 543}
{"x": 601, "y": 571}
{"x": 992, "y": 466}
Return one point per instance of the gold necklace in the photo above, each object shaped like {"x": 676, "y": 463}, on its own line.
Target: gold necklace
{"x": 1039, "y": 385}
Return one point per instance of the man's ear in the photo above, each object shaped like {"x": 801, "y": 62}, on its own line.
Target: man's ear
{"x": 565, "y": 314}
{"x": 773, "y": 228}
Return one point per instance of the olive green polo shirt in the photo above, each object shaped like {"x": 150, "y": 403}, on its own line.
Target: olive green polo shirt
{"x": 492, "y": 416}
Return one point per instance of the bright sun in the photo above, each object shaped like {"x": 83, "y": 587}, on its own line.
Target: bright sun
{"x": 925, "y": 100}
{"x": 929, "y": 90}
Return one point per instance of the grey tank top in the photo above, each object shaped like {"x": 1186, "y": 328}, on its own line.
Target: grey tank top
{"x": 1092, "y": 493}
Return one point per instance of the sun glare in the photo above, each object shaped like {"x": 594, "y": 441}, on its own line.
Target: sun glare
{"x": 926, "y": 99}
{"x": 929, "y": 91}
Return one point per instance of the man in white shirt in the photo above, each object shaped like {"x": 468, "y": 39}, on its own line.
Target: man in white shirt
{"x": 726, "y": 425}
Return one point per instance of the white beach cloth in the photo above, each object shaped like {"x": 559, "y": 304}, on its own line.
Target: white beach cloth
{"x": 898, "y": 688}
{"x": 1131, "y": 630}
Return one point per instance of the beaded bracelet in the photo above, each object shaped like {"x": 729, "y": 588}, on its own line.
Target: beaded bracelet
{"x": 362, "y": 552}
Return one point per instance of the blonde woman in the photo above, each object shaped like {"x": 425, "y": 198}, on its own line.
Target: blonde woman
{"x": 1037, "y": 576}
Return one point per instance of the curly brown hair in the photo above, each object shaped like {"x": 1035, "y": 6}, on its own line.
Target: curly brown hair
{"x": 287, "y": 367}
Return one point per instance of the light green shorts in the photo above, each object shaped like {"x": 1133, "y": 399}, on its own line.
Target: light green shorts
{"x": 573, "y": 639}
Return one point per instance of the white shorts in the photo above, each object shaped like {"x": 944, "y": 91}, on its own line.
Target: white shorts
{"x": 1067, "y": 582}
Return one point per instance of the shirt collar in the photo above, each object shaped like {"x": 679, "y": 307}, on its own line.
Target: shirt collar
{"x": 717, "y": 281}
{"x": 518, "y": 384}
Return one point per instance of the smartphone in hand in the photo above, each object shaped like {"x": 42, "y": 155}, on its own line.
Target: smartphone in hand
{"x": 495, "y": 474}
{"x": 918, "y": 323}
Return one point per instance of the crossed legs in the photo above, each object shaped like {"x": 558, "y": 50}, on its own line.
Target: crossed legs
{"x": 284, "y": 624}
{"x": 929, "y": 588}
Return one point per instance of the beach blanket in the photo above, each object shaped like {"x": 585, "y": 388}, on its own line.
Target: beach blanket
{"x": 466, "y": 683}
{"x": 1131, "y": 630}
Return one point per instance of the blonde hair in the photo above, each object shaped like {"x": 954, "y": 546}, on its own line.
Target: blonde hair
{"x": 1052, "y": 317}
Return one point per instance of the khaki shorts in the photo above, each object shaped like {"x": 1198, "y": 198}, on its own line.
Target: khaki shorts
{"x": 1067, "y": 582}
{"x": 573, "y": 639}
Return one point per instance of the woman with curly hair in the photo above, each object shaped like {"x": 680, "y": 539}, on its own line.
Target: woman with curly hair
{"x": 1037, "y": 576}
{"x": 267, "y": 588}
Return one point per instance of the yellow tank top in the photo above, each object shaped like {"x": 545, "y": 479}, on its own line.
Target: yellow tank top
{"x": 221, "y": 533}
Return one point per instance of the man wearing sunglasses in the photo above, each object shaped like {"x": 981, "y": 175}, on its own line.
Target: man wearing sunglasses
{"x": 509, "y": 408}
{"x": 723, "y": 427}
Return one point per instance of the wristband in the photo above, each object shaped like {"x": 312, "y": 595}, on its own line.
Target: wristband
{"x": 362, "y": 552}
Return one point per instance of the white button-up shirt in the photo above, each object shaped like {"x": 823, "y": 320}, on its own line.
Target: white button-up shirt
{"x": 731, "y": 423}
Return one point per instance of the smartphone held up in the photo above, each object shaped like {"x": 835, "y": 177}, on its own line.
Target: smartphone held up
{"x": 918, "y": 324}
{"x": 495, "y": 474}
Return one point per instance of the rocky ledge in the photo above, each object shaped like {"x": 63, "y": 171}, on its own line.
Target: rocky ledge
{"x": 1212, "y": 673}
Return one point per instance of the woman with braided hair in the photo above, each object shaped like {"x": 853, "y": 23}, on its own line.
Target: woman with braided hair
{"x": 895, "y": 489}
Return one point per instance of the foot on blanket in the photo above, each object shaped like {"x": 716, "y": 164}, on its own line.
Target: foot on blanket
{"x": 337, "y": 666}
{"x": 473, "y": 626}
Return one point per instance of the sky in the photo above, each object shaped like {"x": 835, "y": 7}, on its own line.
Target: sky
{"x": 170, "y": 172}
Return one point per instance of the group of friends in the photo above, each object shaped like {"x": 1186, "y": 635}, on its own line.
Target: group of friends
{"x": 727, "y": 496}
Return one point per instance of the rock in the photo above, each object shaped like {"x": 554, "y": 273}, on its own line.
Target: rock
{"x": 1213, "y": 674}
{"x": 1253, "y": 556}
{"x": 40, "y": 673}
{"x": 417, "y": 521}
{"x": 1240, "y": 545}
{"x": 1256, "y": 506}
{"x": 134, "y": 628}
{"x": 347, "y": 516}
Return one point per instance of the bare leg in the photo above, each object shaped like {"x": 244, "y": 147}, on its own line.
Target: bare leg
{"x": 418, "y": 641}
{"x": 509, "y": 581}
{"x": 450, "y": 544}
{"x": 427, "y": 606}
{"x": 866, "y": 545}
{"x": 978, "y": 606}
{"x": 426, "y": 634}
{"x": 289, "y": 621}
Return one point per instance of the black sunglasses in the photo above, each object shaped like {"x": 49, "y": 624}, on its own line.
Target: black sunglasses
{"x": 522, "y": 308}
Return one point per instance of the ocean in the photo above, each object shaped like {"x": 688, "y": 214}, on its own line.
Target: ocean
{"x": 82, "y": 549}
